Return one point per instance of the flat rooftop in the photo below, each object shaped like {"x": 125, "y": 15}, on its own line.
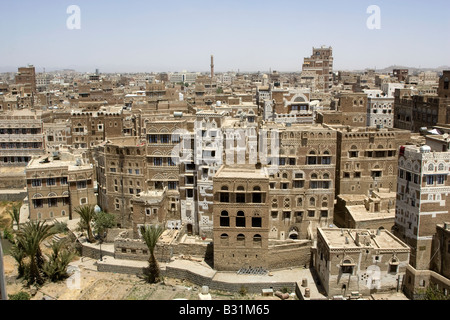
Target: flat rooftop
{"x": 49, "y": 162}
{"x": 337, "y": 238}
{"x": 360, "y": 213}
{"x": 125, "y": 141}
{"x": 242, "y": 171}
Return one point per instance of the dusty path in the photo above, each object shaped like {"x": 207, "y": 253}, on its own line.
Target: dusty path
{"x": 93, "y": 285}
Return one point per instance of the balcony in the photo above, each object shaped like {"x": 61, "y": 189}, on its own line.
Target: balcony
{"x": 21, "y": 152}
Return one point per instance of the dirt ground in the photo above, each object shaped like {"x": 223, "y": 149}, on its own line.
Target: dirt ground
{"x": 5, "y": 218}
{"x": 94, "y": 285}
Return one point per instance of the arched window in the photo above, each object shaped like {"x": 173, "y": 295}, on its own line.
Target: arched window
{"x": 257, "y": 195}
{"x": 240, "y": 240}
{"x": 347, "y": 266}
{"x": 430, "y": 167}
{"x": 240, "y": 219}
{"x": 312, "y": 158}
{"x": 224, "y": 239}
{"x": 224, "y": 219}
{"x": 240, "y": 194}
{"x": 257, "y": 241}
{"x": 312, "y": 201}
{"x": 224, "y": 196}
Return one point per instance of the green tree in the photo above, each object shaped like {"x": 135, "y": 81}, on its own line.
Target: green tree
{"x": 433, "y": 293}
{"x": 86, "y": 214}
{"x": 55, "y": 268}
{"x": 29, "y": 239}
{"x": 150, "y": 235}
{"x": 102, "y": 222}
{"x": 19, "y": 255}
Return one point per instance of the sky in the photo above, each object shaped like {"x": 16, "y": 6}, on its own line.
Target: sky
{"x": 244, "y": 35}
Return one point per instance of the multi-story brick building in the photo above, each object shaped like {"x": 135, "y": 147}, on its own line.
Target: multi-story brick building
{"x": 168, "y": 167}
{"x": 351, "y": 110}
{"x": 441, "y": 246}
{"x": 319, "y": 68}
{"x": 422, "y": 198}
{"x": 354, "y": 262}
{"x": 58, "y": 184}
{"x": 91, "y": 128}
{"x": 121, "y": 174}
{"x": 302, "y": 167}
{"x": 358, "y": 211}
{"x": 289, "y": 106}
{"x": 413, "y": 112}
{"x": 400, "y": 74}
{"x": 241, "y": 217}
{"x": 21, "y": 137}
{"x": 27, "y": 76}
{"x": 150, "y": 208}
{"x": 379, "y": 109}
{"x": 367, "y": 159}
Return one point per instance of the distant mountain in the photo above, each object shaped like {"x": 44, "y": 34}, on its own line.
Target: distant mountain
{"x": 412, "y": 70}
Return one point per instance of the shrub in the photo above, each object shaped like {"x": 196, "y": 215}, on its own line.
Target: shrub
{"x": 243, "y": 291}
{"x": 22, "y": 295}
{"x": 8, "y": 235}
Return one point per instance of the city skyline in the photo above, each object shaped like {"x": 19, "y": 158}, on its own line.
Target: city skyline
{"x": 247, "y": 36}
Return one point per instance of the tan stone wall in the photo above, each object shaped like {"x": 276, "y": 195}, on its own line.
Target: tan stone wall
{"x": 289, "y": 255}
{"x": 417, "y": 281}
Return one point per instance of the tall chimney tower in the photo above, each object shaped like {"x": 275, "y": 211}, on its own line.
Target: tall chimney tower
{"x": 212, "y": 66}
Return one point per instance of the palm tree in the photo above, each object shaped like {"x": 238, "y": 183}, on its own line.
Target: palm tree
{"x": 87, "y": 213}
{"x": 19, "y": 255}
{"x": 150, "y": 235}
{"x": 14, "y": 212}
{"x": 29, "y": 239}
{"x": 55, "y": 268}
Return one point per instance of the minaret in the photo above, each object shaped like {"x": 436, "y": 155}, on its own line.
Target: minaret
{"x": 212, "y": 66}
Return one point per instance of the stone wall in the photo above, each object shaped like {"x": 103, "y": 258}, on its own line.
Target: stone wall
{"x": 122, "y": 269}
{"x": 417, "y": 281}
{"x": 295, "y": 254}
{"x": 283, "y": 255}
{"x": 199, "y": 279}
{"x": 13, "y": 195}
{"x": 94, "y": 252}
{"x": 136, "y": 249}
{"x": 384, "y": 223}
{"x": 12, "y": 180}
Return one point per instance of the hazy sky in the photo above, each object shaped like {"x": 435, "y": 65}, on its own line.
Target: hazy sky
{"x": 246, "y": 35}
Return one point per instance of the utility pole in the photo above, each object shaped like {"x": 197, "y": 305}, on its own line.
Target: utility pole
{"x": 3, "y": 295}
